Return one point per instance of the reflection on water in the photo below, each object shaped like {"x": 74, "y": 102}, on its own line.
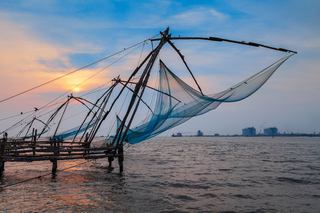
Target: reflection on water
{"x": 177, "y": 175}
{"x": 84, "y": 188}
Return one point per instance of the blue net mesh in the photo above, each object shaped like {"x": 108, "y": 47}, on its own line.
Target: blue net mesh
{"x": 177, "y": 102}
{"x": 72, "y": 132}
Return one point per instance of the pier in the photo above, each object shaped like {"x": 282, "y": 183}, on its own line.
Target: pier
{"x": 18, "y": 150}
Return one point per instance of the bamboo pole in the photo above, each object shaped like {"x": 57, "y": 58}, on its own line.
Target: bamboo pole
{"x": 61, "y": 118}
{"x": 133, "y": 106}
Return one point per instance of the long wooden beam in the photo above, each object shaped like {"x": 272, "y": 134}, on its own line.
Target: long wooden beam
{"x": 229, "y": 40}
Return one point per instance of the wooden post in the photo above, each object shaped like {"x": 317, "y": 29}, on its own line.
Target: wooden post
{"x": 34, "y": 141}
{"x": 54, "y": 160}
{"x": 1, "y": 166}
{"x": 110, "y": 159}
{"x": 2, "y": 153}
{"x": 54, "y": 166}
{"x": 120, "y": 157}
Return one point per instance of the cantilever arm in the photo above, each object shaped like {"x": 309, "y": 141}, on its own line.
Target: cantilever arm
{"x": 185, "y": 63}
{"x": 231, "y": 41}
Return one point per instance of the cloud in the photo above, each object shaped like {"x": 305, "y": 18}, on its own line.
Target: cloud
{"x": 197, "y": 17}
{"x": 26, "y": 61}
{"x": 218, "y": 14}
{"x": 20, "y": 54}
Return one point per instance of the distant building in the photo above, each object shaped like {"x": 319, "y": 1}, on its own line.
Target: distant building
{"x": 249, "y": 131}
{"x": 177, "y": 135}
{"x": 270, "y": 131}
{"x": 199, "y": 133}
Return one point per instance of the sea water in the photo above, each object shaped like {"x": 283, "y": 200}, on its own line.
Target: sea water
{"x": 186, "y": 174}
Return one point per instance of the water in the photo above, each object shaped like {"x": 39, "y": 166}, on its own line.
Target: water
{"x": 218, "y": 174}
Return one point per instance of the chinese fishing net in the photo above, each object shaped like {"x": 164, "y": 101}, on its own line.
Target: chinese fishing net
{"x": 177, "y": 102}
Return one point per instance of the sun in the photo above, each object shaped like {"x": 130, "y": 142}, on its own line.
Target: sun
{"x": 78, "y": 82}
{"x": 76, "y": 89}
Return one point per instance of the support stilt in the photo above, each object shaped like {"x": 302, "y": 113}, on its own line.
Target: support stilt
{"x": 120, "y": 157}
{"x": 110, "y": 159}
{"x": 54, "y": 160}
{"x": 54, "y": 166}
{"x": 34, "y": 141}
{"x": 1, "y": 166}
{"x": 2, "y": 152}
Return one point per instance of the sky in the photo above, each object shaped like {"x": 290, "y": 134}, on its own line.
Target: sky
{"x": 42, "y": 40}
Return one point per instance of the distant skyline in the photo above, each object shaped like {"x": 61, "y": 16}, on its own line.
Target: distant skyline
{"x": 259, "y": 131}
{"x": 41, "y": 40}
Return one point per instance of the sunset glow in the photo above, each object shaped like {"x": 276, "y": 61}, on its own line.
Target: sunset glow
{"x": 159, "y": 106}
{"x": 36, "y": 48}
{"x": 76, "y": 89}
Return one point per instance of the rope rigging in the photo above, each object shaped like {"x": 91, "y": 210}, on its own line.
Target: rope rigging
{"x": 74, "y": 71}
{"x": 176, "y": 101}
{"x": 138, "y": 46}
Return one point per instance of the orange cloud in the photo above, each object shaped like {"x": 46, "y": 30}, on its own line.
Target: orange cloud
{"x": 19, "y": 59}
{"x": 23, "y": 60}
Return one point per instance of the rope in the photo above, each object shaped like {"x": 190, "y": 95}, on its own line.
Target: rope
{"x": 13, "y": 116}
{"x": 83, "y": 81}
{"x": 48, "y": 82}
{"x": 141, "y": 54}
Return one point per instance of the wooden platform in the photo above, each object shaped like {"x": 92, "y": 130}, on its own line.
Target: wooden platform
{"x": 54, "y": 150}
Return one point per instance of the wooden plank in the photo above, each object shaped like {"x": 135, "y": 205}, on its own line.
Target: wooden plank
{"x": 43, "y": 147}
{"x": 52, "y": 149}
{"x": 40, "y": 158}
{"x": 52, "y": 154}
{"x": 43, "y": 142}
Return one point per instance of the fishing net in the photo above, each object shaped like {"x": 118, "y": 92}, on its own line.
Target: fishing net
{"x": 177, "y": 102}
{"x": 74, "y": 131}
